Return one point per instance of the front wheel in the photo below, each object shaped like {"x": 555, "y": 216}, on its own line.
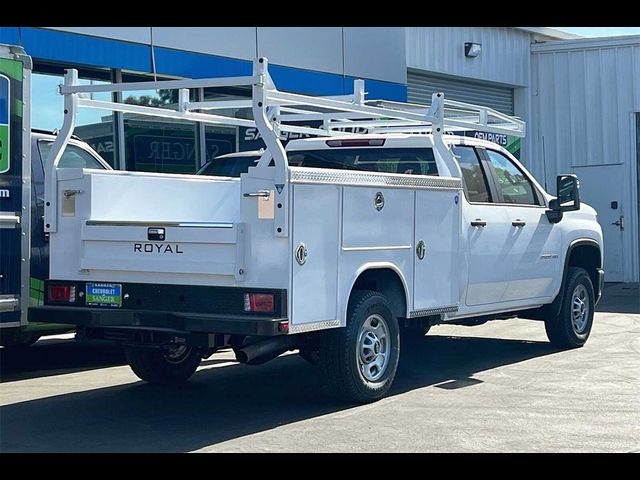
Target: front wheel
{"x": 170, "y": 365}
{"x": 571, "y": 328}
{"x": 359, "y": 361}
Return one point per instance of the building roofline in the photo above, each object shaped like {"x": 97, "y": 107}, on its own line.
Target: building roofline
{"x": 587, "y": 42}
{"x": 550, "y": 32}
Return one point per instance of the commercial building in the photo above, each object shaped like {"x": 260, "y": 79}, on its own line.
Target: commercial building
{"x": 579, "y": 97}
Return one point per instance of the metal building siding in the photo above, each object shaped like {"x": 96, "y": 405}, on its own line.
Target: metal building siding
{"x": 376, "y": 53}
{"x": 421, "y": 85}
{"x": 584, "y": 96}
{"x": 582, "y": 100}
{"x": 504, "y": 57}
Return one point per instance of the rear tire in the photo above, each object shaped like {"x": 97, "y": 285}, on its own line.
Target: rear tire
{"x": 163, "y": 366}
{"x": 359, "y": 361}
{"x": 571, "y": 328}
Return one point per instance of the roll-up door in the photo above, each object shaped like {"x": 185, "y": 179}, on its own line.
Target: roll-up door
{"x": 421, "y": 85}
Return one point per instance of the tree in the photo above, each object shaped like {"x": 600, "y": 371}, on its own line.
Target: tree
{"x": 164, "y": 98}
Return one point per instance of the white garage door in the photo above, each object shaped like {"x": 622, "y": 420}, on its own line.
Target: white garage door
{"x": 421, "y": 85}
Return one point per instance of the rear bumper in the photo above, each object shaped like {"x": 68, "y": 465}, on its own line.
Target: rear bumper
{"x": 600, "y": 285}
{"x": 179, "y": 308}
{"x": 160, "y": 320}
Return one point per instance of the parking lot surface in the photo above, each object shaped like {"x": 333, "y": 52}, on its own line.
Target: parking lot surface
{"x": 496, "y": 387}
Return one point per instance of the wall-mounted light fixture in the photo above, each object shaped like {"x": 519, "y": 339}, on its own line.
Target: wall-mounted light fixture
{"x": 471, "y": 49}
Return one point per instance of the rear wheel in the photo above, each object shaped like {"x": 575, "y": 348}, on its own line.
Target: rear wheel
{"x": 571, "y": 328}
{"x": 170, "y": 365}
{"x": 359, "y": 361}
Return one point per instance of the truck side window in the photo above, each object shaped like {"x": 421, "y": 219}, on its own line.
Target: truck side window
{"x": 514, "y": 186}
{"x": 474, "y": 179}
{"x": 73, "y": 157}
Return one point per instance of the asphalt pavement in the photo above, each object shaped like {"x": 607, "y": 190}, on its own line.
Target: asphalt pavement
{"x": 491, "y": 388}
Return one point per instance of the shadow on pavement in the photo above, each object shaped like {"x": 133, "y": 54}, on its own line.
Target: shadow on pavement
{"x": 620, "y": 298}
{"x": 54, "y": 357}
{"x": 224, "y": 403}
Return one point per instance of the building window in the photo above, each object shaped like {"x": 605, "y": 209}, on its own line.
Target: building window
{"x": 96, "y": 127}
{"x": 154, "y": 144}
{"x": 219, "y": 140}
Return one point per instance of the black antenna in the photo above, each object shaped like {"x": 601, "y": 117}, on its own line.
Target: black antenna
{"x": 544, "y": 165}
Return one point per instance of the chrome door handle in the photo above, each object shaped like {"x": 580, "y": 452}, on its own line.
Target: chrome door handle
{"x": 518, "y": 223}
{"x": 260, "y": 193}
{"x": 71, "y": 193}
{"x": 478, "y": 222}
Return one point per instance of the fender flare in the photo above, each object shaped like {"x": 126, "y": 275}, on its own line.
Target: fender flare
{"x": 373, "y": 266}
{"x": 557, "y": 302}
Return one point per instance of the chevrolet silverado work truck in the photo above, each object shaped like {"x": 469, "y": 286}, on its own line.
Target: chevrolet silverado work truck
{"x": 377, "y": 226}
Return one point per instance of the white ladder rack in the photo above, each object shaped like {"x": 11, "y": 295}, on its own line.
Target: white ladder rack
{"x": 275, "y": 111}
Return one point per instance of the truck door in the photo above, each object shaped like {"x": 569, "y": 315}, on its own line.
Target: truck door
{"x": 15, "y": 186}
{"x": 533, "y": 243}
{"x": 486, "y": 228}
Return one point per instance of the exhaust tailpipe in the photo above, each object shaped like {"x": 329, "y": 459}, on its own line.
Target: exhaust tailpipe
{"x": 265, "y": 350}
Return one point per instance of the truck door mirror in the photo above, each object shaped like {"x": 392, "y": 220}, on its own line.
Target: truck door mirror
{"x": 568, "y": 189}
{"x": 567, "y": 199}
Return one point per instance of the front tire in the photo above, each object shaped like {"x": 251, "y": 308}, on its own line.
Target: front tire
{"x": 359, "y": 362}
{"x": 571, "y": 328}
{"x": 164, "y": 366}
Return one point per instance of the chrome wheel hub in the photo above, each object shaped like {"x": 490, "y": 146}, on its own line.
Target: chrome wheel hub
{"x": 579, "y": 308}
{"x": 373, "y": 348}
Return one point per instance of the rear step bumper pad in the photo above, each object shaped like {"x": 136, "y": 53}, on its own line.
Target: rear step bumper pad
{"x": 179, "y": 321}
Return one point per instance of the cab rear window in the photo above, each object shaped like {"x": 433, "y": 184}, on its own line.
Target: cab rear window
{"x": 410, "y": 161}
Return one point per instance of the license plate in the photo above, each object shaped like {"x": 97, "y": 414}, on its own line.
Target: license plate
{"x": 104, "y": 294}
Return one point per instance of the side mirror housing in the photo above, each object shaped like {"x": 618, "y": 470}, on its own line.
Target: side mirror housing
{"x": 568, "y": 197}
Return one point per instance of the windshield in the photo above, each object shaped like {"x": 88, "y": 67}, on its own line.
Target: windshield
{"x": 228, "y": 167}
{"x": 410, "y": 161}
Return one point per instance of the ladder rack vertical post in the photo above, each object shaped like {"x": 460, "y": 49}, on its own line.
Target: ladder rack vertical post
{"x": 59, "y": 144}
{"x": 274, "y": 146}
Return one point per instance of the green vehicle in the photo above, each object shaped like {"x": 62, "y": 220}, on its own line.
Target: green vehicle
{"x": 24, "y": 247}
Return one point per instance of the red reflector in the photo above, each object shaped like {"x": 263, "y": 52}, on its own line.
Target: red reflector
{"x": 62, "y": 293}
{"x": 258, "y": 302}
{"x": 372, "y": 142}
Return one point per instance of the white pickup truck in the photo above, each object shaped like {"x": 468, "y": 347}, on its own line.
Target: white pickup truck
{"x": 337, "y": 246}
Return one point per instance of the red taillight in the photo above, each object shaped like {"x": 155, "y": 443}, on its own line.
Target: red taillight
{"x": 258, "y": 302}
{"x": 62, "y": 293}
{"x": 372, "y": 142}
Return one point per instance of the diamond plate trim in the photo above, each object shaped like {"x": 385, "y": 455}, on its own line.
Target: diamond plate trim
{"x": 312, "y": 327}
{"x": 425, "y": 312}
{"x": 370, "y": 179}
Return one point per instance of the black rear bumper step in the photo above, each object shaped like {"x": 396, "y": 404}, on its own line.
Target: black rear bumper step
{"x": 177, "y": 321}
